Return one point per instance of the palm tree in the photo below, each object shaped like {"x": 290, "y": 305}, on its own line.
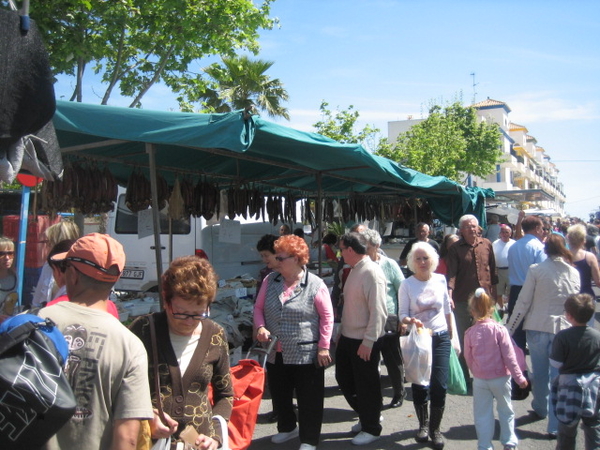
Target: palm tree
{"x": 241, "y": 83}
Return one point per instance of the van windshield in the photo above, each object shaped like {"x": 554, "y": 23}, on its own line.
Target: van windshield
{"x": 127, "y": 221}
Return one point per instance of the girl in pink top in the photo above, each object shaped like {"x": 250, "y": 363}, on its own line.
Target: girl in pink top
{"x": 492, "y": 360}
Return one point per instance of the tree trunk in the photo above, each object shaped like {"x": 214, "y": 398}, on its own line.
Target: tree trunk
{"x": 154, "y": 79}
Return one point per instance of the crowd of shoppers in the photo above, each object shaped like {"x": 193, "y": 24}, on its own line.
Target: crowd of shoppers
{"x": 159, "y": 371}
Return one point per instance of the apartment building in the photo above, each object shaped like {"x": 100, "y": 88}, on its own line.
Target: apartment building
{"x": 526, "y": 178}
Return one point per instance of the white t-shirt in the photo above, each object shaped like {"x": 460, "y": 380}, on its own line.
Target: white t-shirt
{"x": 184, "y": 348}
{"x": 501, "y": 251}
{"x": 108, "y": 371}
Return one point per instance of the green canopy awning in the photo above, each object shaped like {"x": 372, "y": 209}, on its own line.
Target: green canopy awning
{"x": 235, "y": 149}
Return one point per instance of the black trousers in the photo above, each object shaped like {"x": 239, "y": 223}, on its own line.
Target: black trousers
{"x": 392, "y": 358}
{"x": 359, "y": 382}
{"x": 519, "y": 335}
{"x": 308, "y": 381}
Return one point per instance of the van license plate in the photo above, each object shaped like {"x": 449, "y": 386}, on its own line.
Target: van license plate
{"x": 133, "y": 274}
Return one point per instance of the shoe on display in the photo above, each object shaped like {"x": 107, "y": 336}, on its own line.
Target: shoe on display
{"x": 307, "y": 447}
{"x": 364, "y": 438}
{"x": 284, "y": 437}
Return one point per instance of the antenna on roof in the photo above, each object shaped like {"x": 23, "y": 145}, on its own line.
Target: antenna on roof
{"x": 474, "y": 84}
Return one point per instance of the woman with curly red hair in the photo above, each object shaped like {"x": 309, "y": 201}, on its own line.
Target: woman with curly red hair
{"x": 294, "y": 305}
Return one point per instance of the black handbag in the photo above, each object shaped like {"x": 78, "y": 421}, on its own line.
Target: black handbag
{"x": 36, "y": 399}
{"x": 518, "y": 393}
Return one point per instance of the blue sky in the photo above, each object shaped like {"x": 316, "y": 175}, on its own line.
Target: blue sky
{"x": 390, "y": 59}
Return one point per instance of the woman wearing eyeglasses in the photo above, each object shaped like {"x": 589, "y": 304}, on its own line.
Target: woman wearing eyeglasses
{"x": 192, "y": 353}
{"x": 294, "y": 305}
{"x": 8, "y": 279}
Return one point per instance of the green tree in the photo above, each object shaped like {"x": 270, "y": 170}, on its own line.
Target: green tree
{"x": 135, "y": 44}
{"x": 341, "y": 127}
{"x": 240, "y": 83}
{"x": 451, "y": 142}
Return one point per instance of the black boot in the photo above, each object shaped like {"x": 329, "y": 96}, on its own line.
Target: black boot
{"x": 434, "y": 427}
{"x": 423, "y": 416}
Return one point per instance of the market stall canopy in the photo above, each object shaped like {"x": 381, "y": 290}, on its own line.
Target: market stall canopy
{"x": 236, "y": 149}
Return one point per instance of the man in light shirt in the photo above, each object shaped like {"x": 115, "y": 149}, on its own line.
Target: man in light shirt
{"x": 363, "y": 322}
{"x": 501, "y": 246}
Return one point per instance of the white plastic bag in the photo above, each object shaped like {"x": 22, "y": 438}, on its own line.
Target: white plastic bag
{"x": 455, "y": 342}
{"x": 416, "y": 352}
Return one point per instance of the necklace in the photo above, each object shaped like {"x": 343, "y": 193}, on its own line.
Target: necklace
{"x": 14, "y": 277}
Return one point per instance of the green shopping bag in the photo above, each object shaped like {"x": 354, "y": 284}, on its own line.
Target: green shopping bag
{"x": 496, "y": 315}
{"x": 457, "y": 384}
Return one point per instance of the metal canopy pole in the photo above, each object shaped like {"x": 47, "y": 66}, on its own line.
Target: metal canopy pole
{"x": 22, "y": 242}
{"x": 151, "y": 150}
{"x": 319, "y": 211}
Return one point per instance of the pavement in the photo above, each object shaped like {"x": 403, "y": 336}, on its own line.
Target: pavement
{"x": 400, "y": 424}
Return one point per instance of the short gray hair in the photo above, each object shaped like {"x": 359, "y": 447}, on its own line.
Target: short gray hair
{"x": 429, "y": 251}
{"x": 373, "y": 237}
{"x": 466, "y": 218}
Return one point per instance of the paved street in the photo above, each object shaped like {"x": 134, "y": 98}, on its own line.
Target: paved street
{"x": 399, "y": 424}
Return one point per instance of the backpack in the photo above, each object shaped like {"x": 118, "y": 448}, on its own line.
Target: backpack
{"x": 36, "y": 399}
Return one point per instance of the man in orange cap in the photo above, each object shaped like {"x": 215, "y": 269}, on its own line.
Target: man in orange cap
{"x": 107, "y": 364}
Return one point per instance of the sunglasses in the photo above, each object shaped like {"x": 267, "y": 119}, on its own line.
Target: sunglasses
{"x": 282, "y": 258}
{"x": 7, "y": 254}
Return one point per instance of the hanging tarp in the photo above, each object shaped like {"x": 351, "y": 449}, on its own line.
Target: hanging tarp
{"x": 236, "y": 149}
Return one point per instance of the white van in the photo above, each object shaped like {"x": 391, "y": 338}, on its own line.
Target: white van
{"x": 189, "y": 237}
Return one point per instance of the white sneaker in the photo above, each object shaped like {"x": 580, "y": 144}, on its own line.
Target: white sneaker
{"x": 307, "y": 447}
{"x": 284, "y": 437}
{"x": 357, "y": 427}
{"x": 364, "y": 438}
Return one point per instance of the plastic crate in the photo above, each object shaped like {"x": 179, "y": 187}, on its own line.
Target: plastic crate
{"x": 35, "y": 227}
{"x": 10, "y": 227}
{"x": 35, "y": 254}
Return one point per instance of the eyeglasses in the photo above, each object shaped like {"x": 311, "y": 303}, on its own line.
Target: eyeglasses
{"x": 282, "y": 258}
{"x": 7, "y": 254}
{"x": 183, "y": 316}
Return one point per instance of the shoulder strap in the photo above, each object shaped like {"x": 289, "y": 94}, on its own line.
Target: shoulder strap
{"x": 153, "y": 344}
{"x": 16, "y": 335}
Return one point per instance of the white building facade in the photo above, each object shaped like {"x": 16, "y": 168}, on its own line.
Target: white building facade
{"x": 526, "y": 178}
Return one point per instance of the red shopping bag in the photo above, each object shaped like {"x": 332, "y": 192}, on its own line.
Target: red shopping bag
{"x": 248, "y": 379}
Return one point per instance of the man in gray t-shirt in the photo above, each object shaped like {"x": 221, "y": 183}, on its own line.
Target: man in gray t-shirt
{"x": 107, "y": 365}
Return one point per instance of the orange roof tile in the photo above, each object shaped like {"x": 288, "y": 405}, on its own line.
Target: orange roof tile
{"x": 490, "y": 102}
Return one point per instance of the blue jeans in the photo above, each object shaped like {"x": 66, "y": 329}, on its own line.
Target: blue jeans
{"x": 484, "y": 393}
{"x": 440, "y": 367}
{"x": 540, "y": 345}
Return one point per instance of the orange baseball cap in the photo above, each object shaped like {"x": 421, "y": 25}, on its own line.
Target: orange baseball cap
{"x": 96, "y": 255}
